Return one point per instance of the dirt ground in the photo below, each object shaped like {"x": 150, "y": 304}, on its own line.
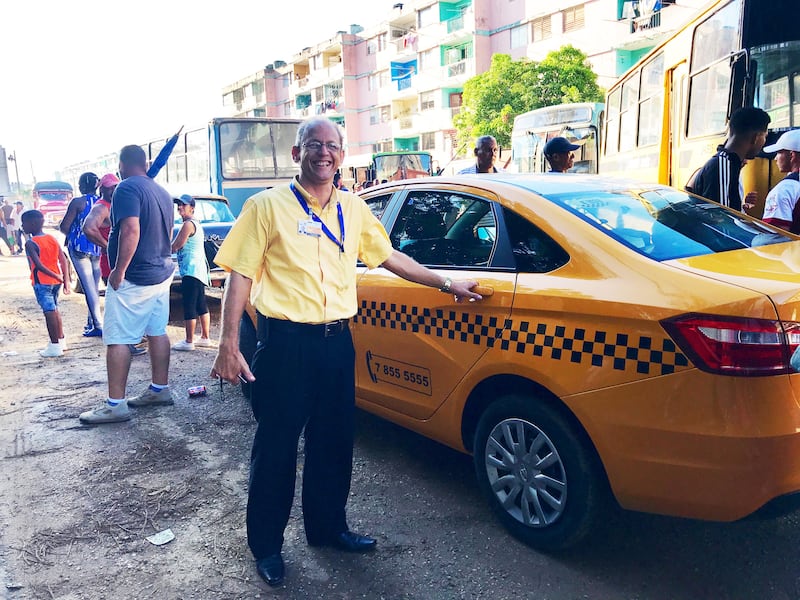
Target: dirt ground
{"x": 78, "y": 502}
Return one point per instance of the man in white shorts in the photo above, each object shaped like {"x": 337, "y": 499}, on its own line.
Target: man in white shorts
{"x": 137, "y": 296}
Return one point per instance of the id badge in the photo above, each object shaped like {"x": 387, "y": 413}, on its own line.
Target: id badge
{"x": 309, "y": 227}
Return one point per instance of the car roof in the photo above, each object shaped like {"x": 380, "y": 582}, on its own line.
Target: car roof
{"x": 544, "y": 184}
{"x": 211, "y": 197}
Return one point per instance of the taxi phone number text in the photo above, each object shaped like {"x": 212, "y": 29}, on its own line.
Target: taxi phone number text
{"x": 395, "y": 372}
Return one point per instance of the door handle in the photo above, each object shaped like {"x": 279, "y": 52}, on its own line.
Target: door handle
{"x": 483, "y": 290}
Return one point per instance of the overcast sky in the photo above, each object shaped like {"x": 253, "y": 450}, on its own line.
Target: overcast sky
{"x": 79, "y": 78}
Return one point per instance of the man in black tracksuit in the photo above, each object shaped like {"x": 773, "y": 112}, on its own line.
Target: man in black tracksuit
{"x": 718, "y": 179}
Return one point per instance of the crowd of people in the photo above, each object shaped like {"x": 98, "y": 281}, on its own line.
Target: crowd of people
{"x": 291, "y": 245}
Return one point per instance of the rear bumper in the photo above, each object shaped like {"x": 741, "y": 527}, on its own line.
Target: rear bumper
{"x": 698, "y": 445}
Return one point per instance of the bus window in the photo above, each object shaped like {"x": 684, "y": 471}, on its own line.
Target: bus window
{"x": 796, "y": 101}
{"x": 777, "y": 88}
{"x": 629, "y": 116}
{"x": 716, "y": 37}
{"x": 652, "y": 103}
{"x": 612, "y": 131}
{"x": 714, "y": 42}
{"x": 197, "y": 155}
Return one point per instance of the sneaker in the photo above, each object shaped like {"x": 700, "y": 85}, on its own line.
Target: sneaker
{"x": 183, "y": 346}
{"x": 107, "y": 414}
{"x": 204, "y": 343}
{"x": 151, "y": 397}
{"x": 63, "y": 343}
{"x": 52, "y": 350}
{"x": 135, "y": 350}
{"x": 96, "y": 332}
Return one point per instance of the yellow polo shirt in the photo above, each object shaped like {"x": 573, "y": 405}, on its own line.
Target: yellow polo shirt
{"x": 300, "y": 277}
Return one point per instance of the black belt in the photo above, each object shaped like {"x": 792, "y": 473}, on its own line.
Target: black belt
{"x": 268, "y": 324}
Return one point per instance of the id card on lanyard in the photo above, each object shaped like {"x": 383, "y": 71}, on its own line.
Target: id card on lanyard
{"x": 314, "y": 226}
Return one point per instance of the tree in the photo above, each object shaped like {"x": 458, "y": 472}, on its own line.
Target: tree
{"x": 492, "y": 99}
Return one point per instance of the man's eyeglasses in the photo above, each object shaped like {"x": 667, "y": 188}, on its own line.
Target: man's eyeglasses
{"x": 317, "y": 146}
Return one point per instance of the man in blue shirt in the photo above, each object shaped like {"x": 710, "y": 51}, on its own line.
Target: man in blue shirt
{"x": 486, "y": 150}
{"x": 137, "y": 297}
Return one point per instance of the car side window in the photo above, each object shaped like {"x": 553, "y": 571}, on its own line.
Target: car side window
{"x": 445, "y": 228}
{"x": 534, "y": 251}
{"x": 378, "y": 204}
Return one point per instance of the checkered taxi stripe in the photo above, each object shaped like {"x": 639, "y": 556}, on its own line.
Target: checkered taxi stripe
{"x": 644, "y": 354}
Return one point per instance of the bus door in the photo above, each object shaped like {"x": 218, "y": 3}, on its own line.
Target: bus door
{"x": 678, "y": 174}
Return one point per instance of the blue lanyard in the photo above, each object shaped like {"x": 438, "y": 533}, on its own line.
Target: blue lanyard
{"x": 314, "y": 217}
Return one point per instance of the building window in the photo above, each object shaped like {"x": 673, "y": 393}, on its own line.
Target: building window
{"x": 287, "y": 109}
{"x": 429, "y": 59}
{"x": 573, "y": 18}
{"x": 381, "y": 114}
{"x": 427, "y": 16}
{"x": 427, "y": 101}
{"x": 384, "y": 78}
{"x": 382, "y": 41}
{"x": 382, "y": 146}
{"x": 541, "y": 29}
{"x": 519, "y": 36}
{"x": 427, "y": 141}
{"x": 372, "y": 46}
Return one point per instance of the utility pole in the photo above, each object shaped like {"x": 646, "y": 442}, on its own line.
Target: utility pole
{"x": 13, "y": 156}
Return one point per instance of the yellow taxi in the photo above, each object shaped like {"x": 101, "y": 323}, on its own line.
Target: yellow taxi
{"x": 634, "y": 343}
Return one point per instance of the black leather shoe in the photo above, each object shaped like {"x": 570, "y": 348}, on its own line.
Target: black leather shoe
{"x": 271, "y": 569}
{"x": 347, "y": 541}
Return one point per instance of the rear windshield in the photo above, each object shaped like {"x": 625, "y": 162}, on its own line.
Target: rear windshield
{"x": 665, "y": 223}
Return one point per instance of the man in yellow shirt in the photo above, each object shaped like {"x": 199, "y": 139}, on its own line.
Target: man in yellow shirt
{"x": 293, "y": 252}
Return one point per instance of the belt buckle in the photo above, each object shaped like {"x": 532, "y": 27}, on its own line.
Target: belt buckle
{"x": 333, "y": 328}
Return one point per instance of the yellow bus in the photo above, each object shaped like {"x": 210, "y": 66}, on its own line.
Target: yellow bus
{"x": 666, "y": 116}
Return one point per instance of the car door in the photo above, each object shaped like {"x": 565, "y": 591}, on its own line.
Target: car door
{"x": 415, "y": 343}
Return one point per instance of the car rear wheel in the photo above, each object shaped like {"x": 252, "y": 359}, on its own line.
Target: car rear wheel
{"x": 539, "y": 472}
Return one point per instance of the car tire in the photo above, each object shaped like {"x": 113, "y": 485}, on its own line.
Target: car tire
{"x": 552, "y": 498}
{"x": 247, "y": 346}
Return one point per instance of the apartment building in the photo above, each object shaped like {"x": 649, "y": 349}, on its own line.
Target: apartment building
{"x": 396, "y": 85}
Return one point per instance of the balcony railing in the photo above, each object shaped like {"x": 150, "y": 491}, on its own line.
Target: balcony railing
{"x": 646, "y": 22}
{"x": 455, "y": 69}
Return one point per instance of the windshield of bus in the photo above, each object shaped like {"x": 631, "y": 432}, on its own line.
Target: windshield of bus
{"x": 257, "y": 149}
{"x": 527, "y": 149}
{"x": 777, "y": 82}
{"x": 394, "y": 167}
{"x": 664, "y": 223}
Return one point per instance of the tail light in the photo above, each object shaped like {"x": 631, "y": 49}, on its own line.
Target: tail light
{"x": 735, "y": 346}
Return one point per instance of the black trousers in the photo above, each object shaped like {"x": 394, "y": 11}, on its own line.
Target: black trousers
{"x": 305, "y": 379}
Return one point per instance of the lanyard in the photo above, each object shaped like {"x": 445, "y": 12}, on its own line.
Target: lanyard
{"x": 314, "y": 217}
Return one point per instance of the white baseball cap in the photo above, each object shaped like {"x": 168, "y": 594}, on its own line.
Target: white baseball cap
{"x": 790, "y": 140}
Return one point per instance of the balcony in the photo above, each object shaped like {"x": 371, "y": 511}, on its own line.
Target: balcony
{"x": 404, "y": 125}
{"x": 456, "y": 69}
{"x": 646, "y": 22}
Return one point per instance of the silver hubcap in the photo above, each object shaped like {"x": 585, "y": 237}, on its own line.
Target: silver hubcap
{"x": 526, "y": 473}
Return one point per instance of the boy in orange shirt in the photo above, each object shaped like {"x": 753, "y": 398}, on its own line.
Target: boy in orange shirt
{"x": 49, "y": 270}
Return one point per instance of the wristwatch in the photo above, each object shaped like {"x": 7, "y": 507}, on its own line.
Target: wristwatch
{"x": 446, "y": 285}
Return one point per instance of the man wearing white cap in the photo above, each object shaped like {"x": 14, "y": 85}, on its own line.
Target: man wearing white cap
{"x": 781, "y": 207}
